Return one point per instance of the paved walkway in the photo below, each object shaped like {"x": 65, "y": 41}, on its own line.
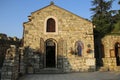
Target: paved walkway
{"x": 75, "y": 76}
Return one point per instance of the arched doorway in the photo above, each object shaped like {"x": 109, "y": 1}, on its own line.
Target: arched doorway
{"x": 117, "y": 53}
{"x": 50, "y": 54}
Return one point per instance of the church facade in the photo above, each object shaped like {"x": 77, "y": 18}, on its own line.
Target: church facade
{"x": 63, "y": 40}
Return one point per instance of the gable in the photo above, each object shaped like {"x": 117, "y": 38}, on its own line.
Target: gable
{"x": 54, "y": 8}
{"x": 66, "y": 20}
{"x": 66, "y": 25}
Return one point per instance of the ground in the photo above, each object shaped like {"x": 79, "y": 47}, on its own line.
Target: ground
{"x": 74, "y": 76}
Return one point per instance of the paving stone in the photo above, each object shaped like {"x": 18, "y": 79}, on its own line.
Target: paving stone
{"x": 75, "y": 76}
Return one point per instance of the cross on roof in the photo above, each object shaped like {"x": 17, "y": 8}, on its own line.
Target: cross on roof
{"x": 51, "y": 3}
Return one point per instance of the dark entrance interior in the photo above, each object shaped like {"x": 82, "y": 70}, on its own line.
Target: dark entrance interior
{"x": 117, "y": 53}
{"x": 50, "y": 54}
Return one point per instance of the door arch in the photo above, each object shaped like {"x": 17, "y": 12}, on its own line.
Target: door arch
{"x": 117, "y": 53}
{"x": 50, "y": 53}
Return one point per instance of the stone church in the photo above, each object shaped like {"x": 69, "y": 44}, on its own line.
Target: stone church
{"x": 58, "y": 41}
{"x": 63, "y": 40}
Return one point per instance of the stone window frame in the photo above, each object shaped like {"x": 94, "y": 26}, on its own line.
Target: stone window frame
{"x": 56, "y": 26}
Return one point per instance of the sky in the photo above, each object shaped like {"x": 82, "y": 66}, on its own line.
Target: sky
{"x": 13, "y": 13}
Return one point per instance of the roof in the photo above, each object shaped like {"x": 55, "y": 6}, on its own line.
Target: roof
{"x": 52, "y": 4}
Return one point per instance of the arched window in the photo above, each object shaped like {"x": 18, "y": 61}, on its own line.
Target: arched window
{"x": 50, "y": 25}
{"x": 78, "y": 48}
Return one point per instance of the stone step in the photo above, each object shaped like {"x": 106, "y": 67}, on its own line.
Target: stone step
{"x": 48, "y": 71}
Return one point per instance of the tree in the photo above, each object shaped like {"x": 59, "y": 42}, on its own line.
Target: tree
{"x": 117, "y": 21}
{"x": 117, "y": 27}
{"x": 102, "y": 17}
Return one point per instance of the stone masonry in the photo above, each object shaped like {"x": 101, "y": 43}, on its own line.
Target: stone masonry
{"x": 11, "y": 65}
{"x": 5, "y": 43}
{"x": 69, "y": 29}
{"x": 111, "y": 52}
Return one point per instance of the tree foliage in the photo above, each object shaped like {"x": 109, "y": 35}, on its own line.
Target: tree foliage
{"x": 116, "y": 22}
{"x": 116, "y": 19}
{"x": 117, "y": 27}
{"x": 102, "y": 17}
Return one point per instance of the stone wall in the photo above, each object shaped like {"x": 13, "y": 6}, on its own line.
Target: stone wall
{"x": 10, "y": 69}
{"x": 22, "y": 65}
{"x": 75, "y": 63}
{"x": 110, "y": 59}
{"x": 5, "y": 43}
{"x": 109, "y": 42}
{"x": 30, "y": 61}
